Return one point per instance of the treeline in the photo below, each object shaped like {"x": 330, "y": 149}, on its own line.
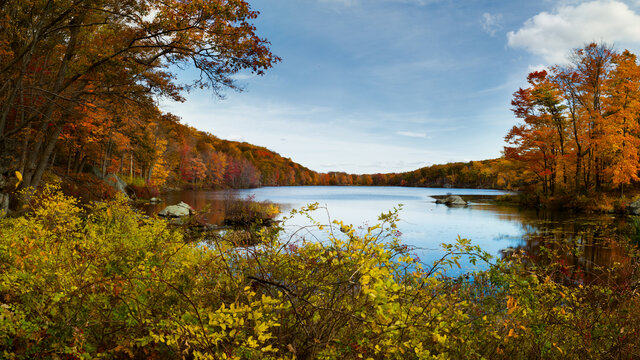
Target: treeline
{"x": 79, "y": 81}
{"x": 495, "y": 174}
{"x": 580, "y": 129}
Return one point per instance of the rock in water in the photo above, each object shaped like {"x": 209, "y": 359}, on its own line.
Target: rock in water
{"x": 179, "y": 210}
{"x": 452, "y": 200}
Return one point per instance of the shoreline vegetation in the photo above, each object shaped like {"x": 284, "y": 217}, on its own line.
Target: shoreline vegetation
{"x": 105, "y": 281}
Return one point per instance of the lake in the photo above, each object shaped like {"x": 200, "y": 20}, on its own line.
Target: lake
{"x": 498, "y": 229}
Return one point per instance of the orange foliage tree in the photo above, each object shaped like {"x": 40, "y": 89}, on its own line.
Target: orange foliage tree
{"x": 580, "y": 129}
{"x": 55, "y": 56}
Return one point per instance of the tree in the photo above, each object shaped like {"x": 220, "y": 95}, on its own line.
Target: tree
{"x": 584, "y": 115}
{"x": 540, "y": 140}
{"x": 56, "y": 55}
{"x": 621, "y": 130}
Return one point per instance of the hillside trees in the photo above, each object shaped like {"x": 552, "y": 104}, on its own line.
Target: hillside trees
{"x": 58, "y": 57}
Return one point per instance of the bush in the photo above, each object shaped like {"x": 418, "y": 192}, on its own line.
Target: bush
{"x": 108, "y": 282}
{"x": 246, "y": 212}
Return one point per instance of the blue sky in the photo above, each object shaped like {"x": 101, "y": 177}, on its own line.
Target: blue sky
{"x": 369, "y": 86}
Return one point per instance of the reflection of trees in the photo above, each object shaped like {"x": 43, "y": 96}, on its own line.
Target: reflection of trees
{"x": 210, "y": 207}
{"x": 582, "y": 247}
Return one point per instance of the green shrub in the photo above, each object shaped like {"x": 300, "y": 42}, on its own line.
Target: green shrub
{"x": 247, "y": 211}
{"x": 107, "y": 282}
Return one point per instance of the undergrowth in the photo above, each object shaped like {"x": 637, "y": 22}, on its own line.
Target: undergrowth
{"x": 107, "y": 282}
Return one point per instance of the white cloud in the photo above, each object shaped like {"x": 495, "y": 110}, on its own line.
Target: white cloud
{"x": 412, "y": 134}
{"x": 553, "y": 35}
{"x": 491, "y": 23}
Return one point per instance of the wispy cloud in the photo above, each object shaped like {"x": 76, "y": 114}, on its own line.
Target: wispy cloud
{"x": 412, "y": 134}
{"x": 243, "y": 76}
{"x": 491, "y": 23}
{"x": 345, "y": 3}
{"x": 552, "y": 35}
{"x": 348, "y": 3}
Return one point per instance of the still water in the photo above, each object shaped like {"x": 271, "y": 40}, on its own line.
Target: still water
{"x": 425, "y": 225}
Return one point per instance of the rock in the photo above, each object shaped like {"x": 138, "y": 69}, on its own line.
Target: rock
{"x": 155, "y": 200}
{"x": 634, "y": 208}
{"x": 94, "y": 170}
{"x": 116, "y": 183}
{"x": 452, "y": 200}
{"x": 179, "y": 210}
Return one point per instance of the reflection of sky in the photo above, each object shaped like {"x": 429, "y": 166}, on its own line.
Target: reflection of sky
{"x": 423, "y": 224}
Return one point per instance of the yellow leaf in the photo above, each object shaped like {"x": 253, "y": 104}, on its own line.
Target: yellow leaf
{"x": 19, "y": 176}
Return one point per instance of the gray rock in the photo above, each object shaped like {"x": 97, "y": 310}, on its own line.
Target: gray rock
{"x": 116, "y": 183}
{"x": 94, "y": 170}
{"x": 155, "y": 200}
{"x": 452, "y": 200}
{"x": 634, "y": 208}
{"x": 179, "y": 210}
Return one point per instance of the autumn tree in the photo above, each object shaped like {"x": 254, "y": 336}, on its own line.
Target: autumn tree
{"x": 621, "y": 131}
{"x": 540, "y": 139}
{"x": 57, "y": 55}
{"x": 580, "y": 119}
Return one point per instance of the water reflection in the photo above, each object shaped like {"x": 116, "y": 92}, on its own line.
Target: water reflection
{"x": 584, "y": 243}
{"x": 209, "y": 204}
{"x": 586, "y": 246}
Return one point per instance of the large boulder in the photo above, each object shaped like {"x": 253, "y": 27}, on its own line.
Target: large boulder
{"x": 94, "y": 170}
{"x": 452, "y": 200}
{"x": 634, "y": 208}
{"x": 116, "y": 183}
{"x": 178, "y": 210}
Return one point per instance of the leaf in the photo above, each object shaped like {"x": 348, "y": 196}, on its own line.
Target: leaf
{"x": 19, "y": 176}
